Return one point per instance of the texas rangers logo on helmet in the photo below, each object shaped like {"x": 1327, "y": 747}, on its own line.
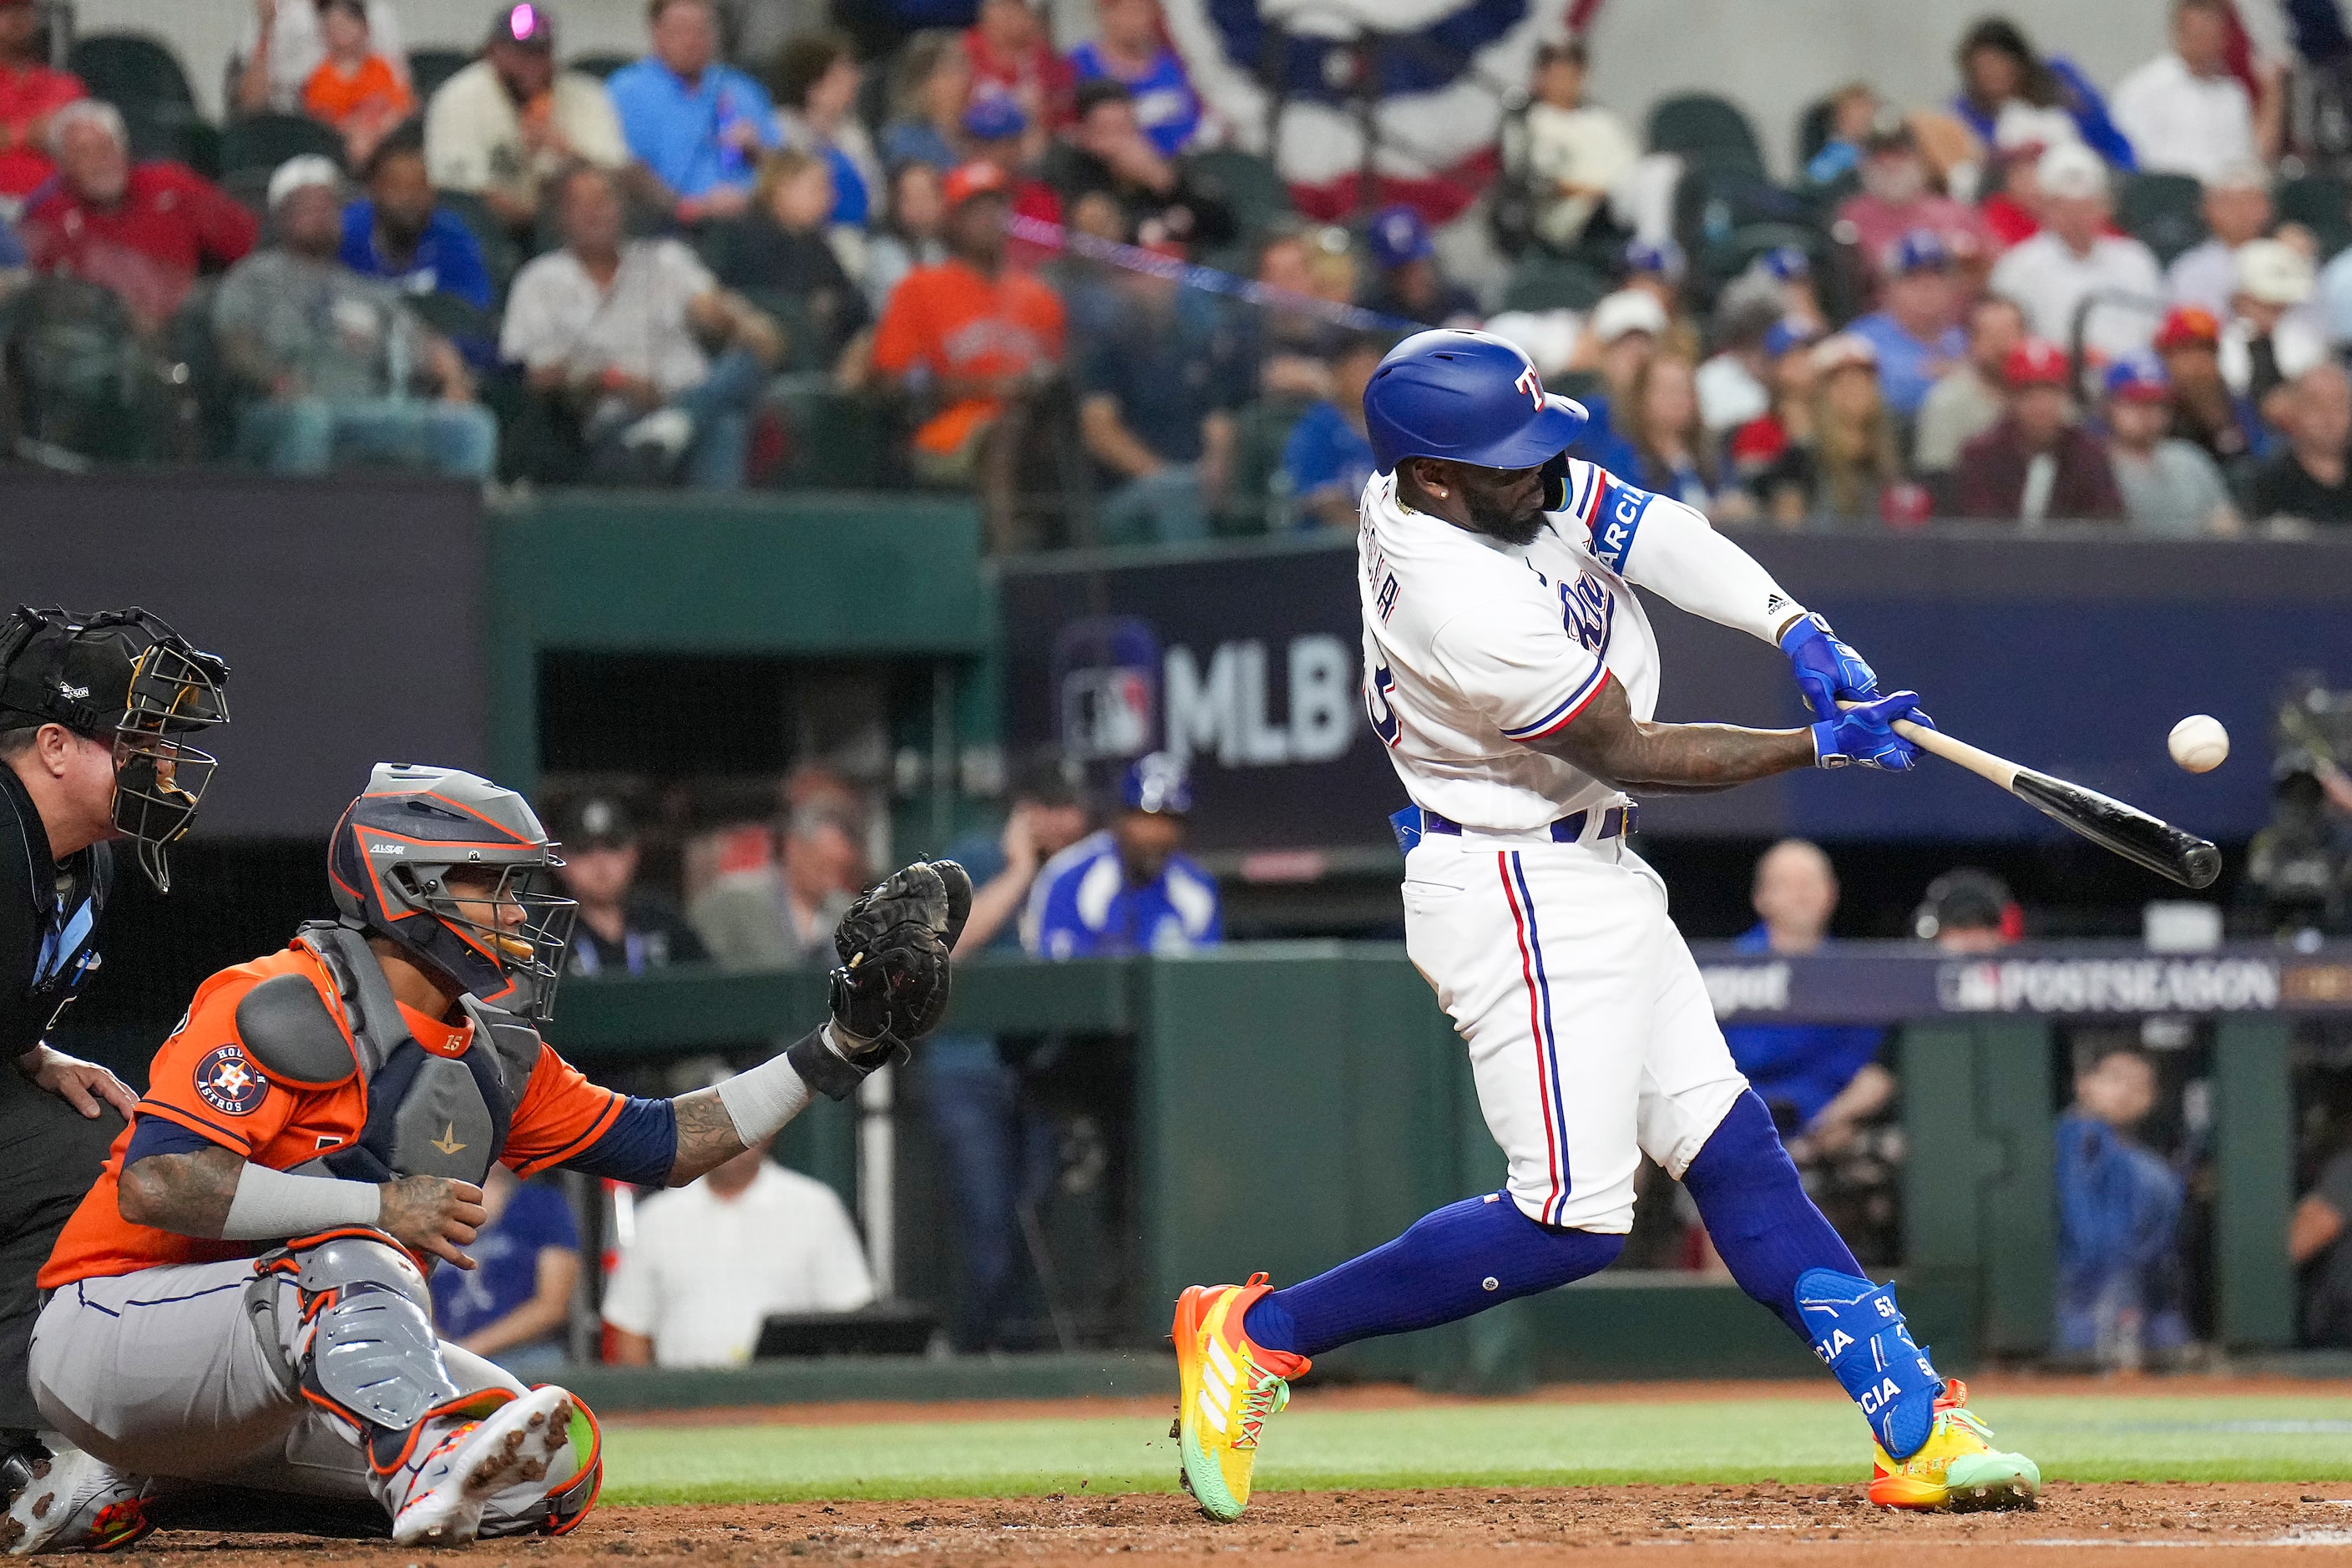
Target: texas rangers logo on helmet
{"x": 1532, "y": 385}
{"x": 226, "y": 1082}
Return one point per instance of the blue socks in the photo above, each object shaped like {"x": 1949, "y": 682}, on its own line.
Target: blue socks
{"x": 1784, "y": 1254}
{"x": 1460, "y": 1261}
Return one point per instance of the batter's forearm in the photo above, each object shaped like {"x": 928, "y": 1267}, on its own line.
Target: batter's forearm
{"x": 1699, "y": 758}
{"x": 186, "y": 1193}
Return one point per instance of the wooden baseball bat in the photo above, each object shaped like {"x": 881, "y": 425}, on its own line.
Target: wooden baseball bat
{"x": 2126, "y": 830}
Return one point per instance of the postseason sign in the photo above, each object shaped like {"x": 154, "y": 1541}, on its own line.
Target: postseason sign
{"x": 1871, "y": 983}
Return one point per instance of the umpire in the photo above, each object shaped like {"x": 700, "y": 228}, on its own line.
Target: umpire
{"x": 93, "y": 714}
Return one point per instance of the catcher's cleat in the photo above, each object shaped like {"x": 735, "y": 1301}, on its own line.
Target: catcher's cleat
{"x": 1228, "y": 1387}
{"x": 1957, "y": 1467}
{"x": 74, "y": 1501}
{"x": 472, "y": 1461}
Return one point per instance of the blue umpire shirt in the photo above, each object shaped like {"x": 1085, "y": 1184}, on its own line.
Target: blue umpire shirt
{"x": 448, "y": 258}
{"x": 1087, "y": 910}
{"x": 1802, "y": 1066}
{"x": 675, "y": 129}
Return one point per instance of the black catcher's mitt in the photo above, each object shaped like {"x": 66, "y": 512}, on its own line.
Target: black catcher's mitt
{"x": 891, "y": 988}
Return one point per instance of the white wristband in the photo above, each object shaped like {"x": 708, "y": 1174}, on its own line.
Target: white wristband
{"x": 270, "y": 1205}
{"x": 762, "y": 1101}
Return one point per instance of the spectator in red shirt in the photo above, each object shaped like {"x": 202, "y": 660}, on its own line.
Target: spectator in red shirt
{"x": 981, "y": 343}
{"x": 30, "y": 93}
{"x": 2037, "y": 464}
{"x": 144, "y": 230}
{"x": 1012, "y": 56}
{"x": 1898, "y": 195}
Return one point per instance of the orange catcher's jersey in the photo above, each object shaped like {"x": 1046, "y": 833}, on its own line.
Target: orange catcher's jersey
{"x": 201, "y": 1082}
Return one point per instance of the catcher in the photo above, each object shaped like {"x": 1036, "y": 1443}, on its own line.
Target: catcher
{"x": 242, "y": 1301}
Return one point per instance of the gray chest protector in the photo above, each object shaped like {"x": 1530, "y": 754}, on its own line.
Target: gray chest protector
{"x": 428, "y": 1115}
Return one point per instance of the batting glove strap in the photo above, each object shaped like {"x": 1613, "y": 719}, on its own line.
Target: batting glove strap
{"x": 1826, "y": 667}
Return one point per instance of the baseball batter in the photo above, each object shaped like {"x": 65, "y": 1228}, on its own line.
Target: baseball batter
{"x": 240, "y": 1299}
{"x": 1512, "y": 676}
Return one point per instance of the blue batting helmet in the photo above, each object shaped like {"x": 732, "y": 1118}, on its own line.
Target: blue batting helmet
{"x": 1467, "y": 396}
{"x": 1159, "y": 784}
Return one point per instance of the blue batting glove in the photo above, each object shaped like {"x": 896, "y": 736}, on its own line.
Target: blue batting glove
{"x": 1827, "y": 669}
{"x": 1863, "y": 736}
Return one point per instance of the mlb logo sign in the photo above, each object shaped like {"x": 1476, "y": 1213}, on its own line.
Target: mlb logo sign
{"x": 1107, "y": 712}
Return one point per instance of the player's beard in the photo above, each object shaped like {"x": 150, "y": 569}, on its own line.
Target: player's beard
{"x": 1511, "y": 529}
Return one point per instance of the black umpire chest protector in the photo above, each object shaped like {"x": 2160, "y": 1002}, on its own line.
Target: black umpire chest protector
{"x": 49, "y": 919}
{"x": 428, "y": 1115}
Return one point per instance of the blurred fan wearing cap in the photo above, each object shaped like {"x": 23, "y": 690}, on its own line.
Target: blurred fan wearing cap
{"x": 2272, "y": 334}
{"x": 2236, "y": 208}
{"x": 1770, "y": 453}
{"x": 1621, "y": 333}
{"x": 328, "y": 364}
{"x": 1915, "y": 329}
{"x": 1969, "y": 911}
{"x": 1898, "y": 195}
{"x": 1130, "y": 889}
{"x": 2169, "y": 485}
{"x": 1970, "y": 398}
{"x": 1411, "y": 286}
{"x": 2075, "y": 255}
{"x": 2037, "y": 464}
{"x": 623, "y": 929}
{"x": 2225, "y": 426}
{"x": 975, "y": 341}
{"x": 503, "y": 127}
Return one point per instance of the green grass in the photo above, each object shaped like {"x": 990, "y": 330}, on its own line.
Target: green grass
{"x": 2089, "y": 1439}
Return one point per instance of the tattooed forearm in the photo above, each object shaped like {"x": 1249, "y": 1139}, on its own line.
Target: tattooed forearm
{"x": 189, "y": 1194}
{"x": 706, "y": 1135}
{"x": 1607, "y": 742}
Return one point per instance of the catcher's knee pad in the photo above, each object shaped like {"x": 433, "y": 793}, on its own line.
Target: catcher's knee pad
{"x": 366, "y": 1349}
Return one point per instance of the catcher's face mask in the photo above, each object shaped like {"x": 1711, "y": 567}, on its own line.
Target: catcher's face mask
{"x": 509, "y": 914}
{"x": 126, "y": 677}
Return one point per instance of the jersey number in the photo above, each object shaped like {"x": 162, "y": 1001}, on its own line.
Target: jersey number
{"x": 1376, "y": 705}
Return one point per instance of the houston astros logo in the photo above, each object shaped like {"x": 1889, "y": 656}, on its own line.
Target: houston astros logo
{"x": 227, "y": 1083}
{"x": 1532, "y": 385}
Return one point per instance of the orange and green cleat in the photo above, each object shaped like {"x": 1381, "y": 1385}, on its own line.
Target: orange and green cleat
{"x": 1227, "y": 1388}
{"x": 1957, "y": 1467}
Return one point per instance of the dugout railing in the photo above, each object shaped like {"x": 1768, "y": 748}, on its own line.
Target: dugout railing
{"x": 1297, "y": 1102}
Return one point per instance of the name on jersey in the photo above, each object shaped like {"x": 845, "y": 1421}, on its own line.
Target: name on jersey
{"x": 1231, "y": 707}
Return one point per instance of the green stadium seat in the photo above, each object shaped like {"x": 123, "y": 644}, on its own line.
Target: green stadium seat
{"x": 1544, "y": 282}
{"x": 428, "y": 68}
{"x": 127, "y": 69}
{"x": 1251, "y": 185}
{"x": 1704, "y": 129}
{"x": 1257, "y": 502}
{"x": 174, "y": 131}
{"x": 2322, "y": 204}
{"x": 266, "y": 140}
{"x": 2162, "y": 212}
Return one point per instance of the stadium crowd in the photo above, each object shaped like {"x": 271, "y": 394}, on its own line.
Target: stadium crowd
{"x": 969, "y": 258}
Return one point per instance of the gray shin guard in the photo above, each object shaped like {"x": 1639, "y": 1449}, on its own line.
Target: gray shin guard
{"x": 368, "y": 1351}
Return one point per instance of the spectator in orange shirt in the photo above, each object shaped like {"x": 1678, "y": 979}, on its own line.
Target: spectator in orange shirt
{"x": 979, "y": 344}
{"x": 354, "y": 89}
{"x": 31, "y": 92}
{"x": 144, "y": 230}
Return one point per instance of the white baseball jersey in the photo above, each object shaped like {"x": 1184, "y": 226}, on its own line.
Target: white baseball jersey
{"x": 1589, "y": 1033}
{"x": 1473, "y": 646}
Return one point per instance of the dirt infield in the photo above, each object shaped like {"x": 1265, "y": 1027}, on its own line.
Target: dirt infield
{"x": 1815, "y": 1527}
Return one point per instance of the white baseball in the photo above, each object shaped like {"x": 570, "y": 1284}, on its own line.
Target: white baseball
{"x": 2198, "y": 743}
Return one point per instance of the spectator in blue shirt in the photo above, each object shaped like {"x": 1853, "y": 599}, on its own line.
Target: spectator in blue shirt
{"x": 929, "y": 91}
{"x": 1129, "y": 889}
{"x": 1820, "y": 1080}
{"x": 513, "y": 1306}
{"x": 696, "y": 124}
{"x": 2119, "y": 1205}
{"x": 1412, "y": 288}
{"x": 1915, "y": 329}
{"x": 1130, "y": 45}
{"x": 817, "y": 79}
{"x": 1329, "y": 458}
{"x": 398, "y": 233}
{"x": 997, "y": 1143}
